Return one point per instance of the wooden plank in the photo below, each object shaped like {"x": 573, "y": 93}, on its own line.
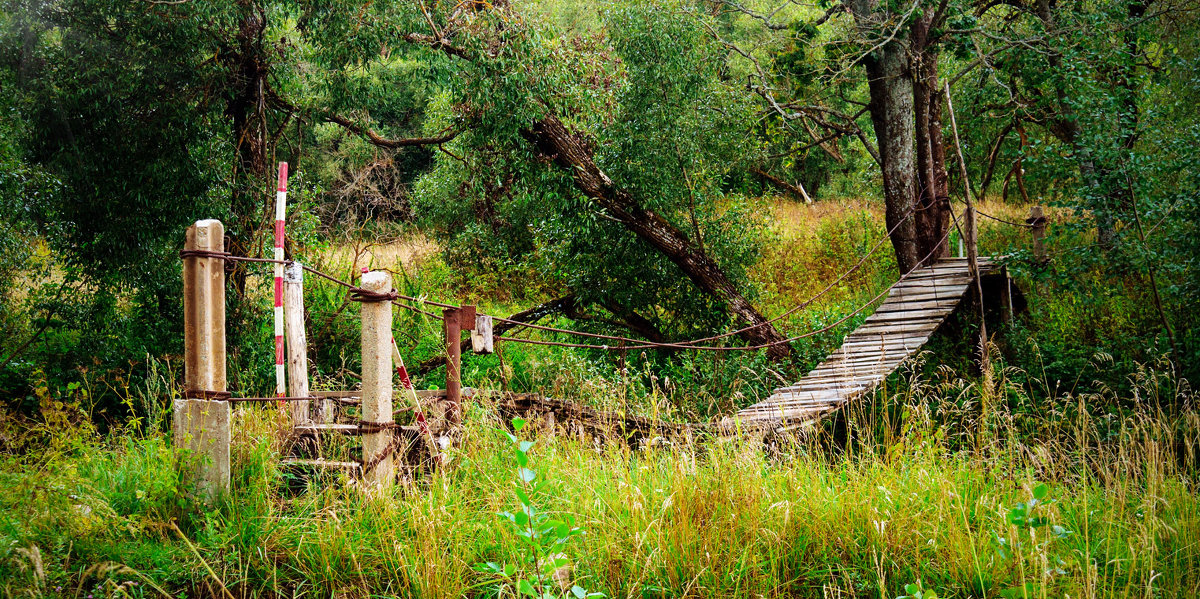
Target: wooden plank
{"x": 858, "y": 368}
{"x": 356, "y": 394}
{"x": 783, "y": 416}
{"x": 788, "y": 400}
{"x": 895, "y": 354}
{"x": 926, "y": 328}
{"x": 904, "y": 318}
{"x": 778, "y": 410}
{"x": 924, "y": 301}
{"x": 817, "y": 396}
{"x": 803, "y": 386}
{"x": 914, "y": 295}
{"x": 873, "y": 378}
{"x": 872, "y": 351}
{"x": 345, "y": 429}
{"x": 870, "y": 378}
{"x": 918, "y": 304}
{"x": 945, "y": 279}
{"x": 886, "y": 340}
{"x": 865, "y": 354}
{"x": 934, "y": 286}
{"x": 788, "y": 413}
{"x": 320, "y": 463}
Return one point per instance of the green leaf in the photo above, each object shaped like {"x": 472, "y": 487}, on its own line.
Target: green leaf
{"x": 518, "y": 424}
{"x": 522, "y": 459}
{"x": 522, "y": 496}
{"x": 1041, "y": 491}
{"x": 526, "y": 588}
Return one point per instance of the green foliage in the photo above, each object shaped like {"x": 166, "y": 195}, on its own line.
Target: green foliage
{"x": 541, "y": 565}
{"x": 666, "y": 127}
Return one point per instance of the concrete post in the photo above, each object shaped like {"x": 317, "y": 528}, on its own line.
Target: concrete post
{"x": 202, "y": 425}
{"x": 297, "y": 342}
{"x": 377, "y": 379}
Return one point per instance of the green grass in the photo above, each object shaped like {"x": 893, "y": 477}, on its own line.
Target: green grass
{"x": 923, "y": 491}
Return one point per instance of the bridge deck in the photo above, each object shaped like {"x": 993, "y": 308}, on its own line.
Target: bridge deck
{"x": 902, "y": 324}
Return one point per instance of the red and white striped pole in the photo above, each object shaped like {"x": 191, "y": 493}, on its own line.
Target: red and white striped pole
{"x": 422, "y": 425}
{"x": 280, "y": 203}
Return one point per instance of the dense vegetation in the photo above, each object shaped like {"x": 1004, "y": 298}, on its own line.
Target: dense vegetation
{"x": 635, "y": 168}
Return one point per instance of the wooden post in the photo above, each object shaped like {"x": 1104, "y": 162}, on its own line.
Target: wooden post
{"x": 377, "y": 381}
{"x": 453, "y": 333}
{"x": 481, "y": 335}
{"x": 200, "y": 424}
{"x": 1009, "y": 314}
{"x": 297, "y": 342}
{"x": 1037, "y": 222}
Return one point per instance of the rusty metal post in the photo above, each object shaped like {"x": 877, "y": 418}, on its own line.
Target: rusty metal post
{"x": 453, "y": 333}
{"x": 201, "y": 424}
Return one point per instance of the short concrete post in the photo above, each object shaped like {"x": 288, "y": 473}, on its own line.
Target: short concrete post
{"x": 297, "y": 342}
{"x": 1037, "y": 224}
{"x": 200, "y": 424}
{"x": 379, "y": 469}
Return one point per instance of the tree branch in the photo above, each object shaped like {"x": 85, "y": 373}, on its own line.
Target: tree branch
{"x": 384, "y": 142}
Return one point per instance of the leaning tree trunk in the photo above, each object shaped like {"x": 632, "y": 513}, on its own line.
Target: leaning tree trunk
{"x": 573, "y": 153}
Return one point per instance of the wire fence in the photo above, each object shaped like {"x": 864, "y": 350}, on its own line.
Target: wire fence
{"x": 622, "y": 343}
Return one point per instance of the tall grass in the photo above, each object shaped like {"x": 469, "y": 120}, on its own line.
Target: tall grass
{"x": 955, "y": 484}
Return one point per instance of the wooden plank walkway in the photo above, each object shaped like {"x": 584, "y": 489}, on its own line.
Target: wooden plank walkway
{"x": 900, "y": 326}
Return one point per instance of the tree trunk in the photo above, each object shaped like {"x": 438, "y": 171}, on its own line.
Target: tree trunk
{"x": 891, "y": 110}
{"x": 246, "y": 111}
{"x": 573, "y": 153}
{"x": 905, "y": 107}
{"x": 933, "y": 193}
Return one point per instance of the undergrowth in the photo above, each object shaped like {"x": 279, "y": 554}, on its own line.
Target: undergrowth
{"x": 941, "y": 486}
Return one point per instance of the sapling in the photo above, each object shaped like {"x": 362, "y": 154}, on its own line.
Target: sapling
{"x": 541, "y": 568}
